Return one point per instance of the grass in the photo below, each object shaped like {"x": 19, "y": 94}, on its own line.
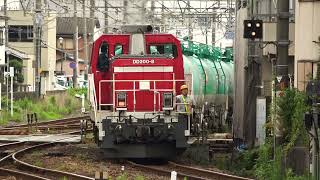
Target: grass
{"x": 38, "y": 163}
{"x": 46, "y": 109}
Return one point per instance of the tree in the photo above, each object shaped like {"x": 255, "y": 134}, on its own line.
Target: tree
{"x": 17, "y": 64}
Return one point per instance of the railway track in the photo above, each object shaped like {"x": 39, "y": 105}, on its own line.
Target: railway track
{"x": 6, "y": 156}
{"x": 54, "y": 125}
{"x": 15, "y": 150}
{"x": 188, "y": 172}
{"x": 30, "y": 170}
{"x": 56, "y": 122}
{"x": 48, "y": 173}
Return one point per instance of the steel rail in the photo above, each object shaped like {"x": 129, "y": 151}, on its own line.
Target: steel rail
{"x": 51, "y": 172}
{"x": 57, "y": 121}
{"x": 20, "y": 175}
{"x": 190, "y": 173}
{"x": 52, "y": 126}
{"x": 163, "y": 172}
{"x": 205, "y": 172}
{"x": 7, "y": 146}
{"x": 61, "y": 124}
{"x": 47, "y": 172}
{"x": 15, "y": 173}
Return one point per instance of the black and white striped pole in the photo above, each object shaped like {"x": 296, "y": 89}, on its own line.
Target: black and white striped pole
{"x": 11, "y": 74}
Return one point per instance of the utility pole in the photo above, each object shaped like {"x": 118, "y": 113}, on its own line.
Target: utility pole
{"x": 282, "y": 64}
{"x": 75, "y": 45}
{"x": 189, "y": 21}
{"x": 85, "y": 40}
{"x": 207, "y": 30}
{"x": 153, "y": 12}
{"x": 213, "y": 30}
{"x": 163, "y": 17}
{"x": 6, "y": 80}
{"x": 106, "y": 22}
{"x": 207, "y": 21}
{"x": 37, "y": 42}
{"x": 252, "y": 80}
{"x": 282, "y": 55}
{"x": 92, "y": 17}
{"x": 125, "y": 12}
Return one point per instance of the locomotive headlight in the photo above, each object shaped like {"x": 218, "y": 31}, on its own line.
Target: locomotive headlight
{"x": 121, "y": 100}
{"x": 167, "y": 101}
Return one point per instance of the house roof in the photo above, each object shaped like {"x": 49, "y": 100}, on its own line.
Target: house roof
{"x": 17, "y": 53}
{"x": 65, "y": 25}
{"x": 70, "y": 56}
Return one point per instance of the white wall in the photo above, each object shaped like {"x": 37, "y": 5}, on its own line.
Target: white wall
{"x": 240, "y": 60}
{"x": 270, "y": 34}
{"x": 307, "y": 31}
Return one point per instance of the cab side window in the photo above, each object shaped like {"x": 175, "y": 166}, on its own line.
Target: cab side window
{"x": 103, "y": 59}
{"x": 164, "y": 49}
{"x": 118, "y": 50}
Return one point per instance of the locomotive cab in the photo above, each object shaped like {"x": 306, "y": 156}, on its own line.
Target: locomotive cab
{"x": 134, "y": 79}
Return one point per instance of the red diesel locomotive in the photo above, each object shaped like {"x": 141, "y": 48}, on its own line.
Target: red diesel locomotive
{"x": 135, "y": 76}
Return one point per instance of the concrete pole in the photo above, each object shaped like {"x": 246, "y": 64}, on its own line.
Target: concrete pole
{"x": 207, "y": 30}
{"x": 153, "y": 12}
{"x": 91, "y": 31}
{"x": 85, "y": 41}
{"x": 6, "y": 46}
{"x": 282, "y": 54}
{"x": 37, "y": 40}
{"x": 125, "y": 12}
{"x": 189, "y": 20}
{"x": 106, "y": 16}
{"x": 207, "y": 21}
{"x": 163, "y": 18}
{"x": 282, "y": 63}
{"x": 75, "y": 45}
{"x": 213, "y": 30}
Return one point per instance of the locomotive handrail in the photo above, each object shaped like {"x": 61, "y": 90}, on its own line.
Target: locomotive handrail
{"x": 92, "y": 94}
{"x": 131, "y": 80}
{"x": 156, "y": 91}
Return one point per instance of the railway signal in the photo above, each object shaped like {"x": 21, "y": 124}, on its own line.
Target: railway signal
{"x": 253, "y": 29}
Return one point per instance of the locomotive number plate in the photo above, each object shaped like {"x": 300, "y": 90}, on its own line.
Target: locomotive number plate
{"x": 143, "y": 61}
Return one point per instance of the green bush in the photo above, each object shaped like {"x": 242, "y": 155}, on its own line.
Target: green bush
{"x": 289, "y": 111}
{"x": 46, "y": 109}
{"x": 79, "y": 91}
{"x": 265, "y": 162}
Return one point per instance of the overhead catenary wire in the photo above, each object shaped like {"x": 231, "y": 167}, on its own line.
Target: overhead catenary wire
{"x": 111, "y": 25}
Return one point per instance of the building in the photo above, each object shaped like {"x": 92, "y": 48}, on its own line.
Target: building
{"x": 254, "y": 64}
{"x": 20, "y": 39}
{"x": 65, "y": 46}
{"x": 307, "y": 51}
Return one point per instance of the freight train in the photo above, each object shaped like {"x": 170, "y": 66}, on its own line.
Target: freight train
{"x": 135, "y": 77}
